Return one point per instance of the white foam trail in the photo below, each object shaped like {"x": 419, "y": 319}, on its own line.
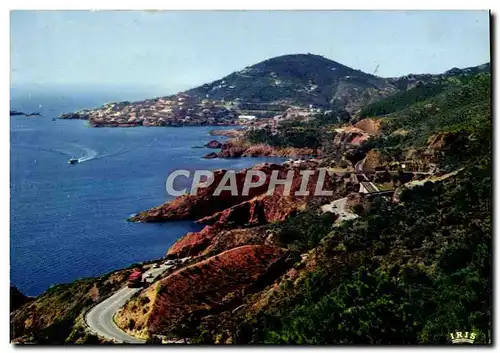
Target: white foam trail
{"x": 90, "y": 154}
{"x": 113, "y": 154}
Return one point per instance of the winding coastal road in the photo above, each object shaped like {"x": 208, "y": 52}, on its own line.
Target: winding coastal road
{"x": 100, "y": 319}
{"x": 338, "y": 207}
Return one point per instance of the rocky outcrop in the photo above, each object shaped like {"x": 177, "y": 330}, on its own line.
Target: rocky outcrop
{"x": 204, "y": 203}
{"x": 418, "y": 159}
{"x": 350, "y": 137}
{"x": 214, "y": 144}
{"x": 211, "y": 155}
{"x": 17, "y": 299}
{"x": 217, "y": 283}
{"x": 239, "y": 148}
{"x": 229, "y": 151}
{"x": 347, "y": 146}
{"x": 260, "y": 210}
{"x": 370, "y": 126}
{"x": 16, "y": 113}
{"x": 263, "y": 150}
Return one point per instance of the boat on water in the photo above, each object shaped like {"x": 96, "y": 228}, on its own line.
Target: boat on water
{"x": 73, "y": 161}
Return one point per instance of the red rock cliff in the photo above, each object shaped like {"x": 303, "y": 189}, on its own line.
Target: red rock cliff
{"x": 213, "y": 282}
{"x": 262, "y": 209}
{"x": 204, "y": 203}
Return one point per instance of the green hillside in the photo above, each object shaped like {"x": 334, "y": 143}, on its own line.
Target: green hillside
{"x": 461, "y": 106}
{"x": 405, "y": 273}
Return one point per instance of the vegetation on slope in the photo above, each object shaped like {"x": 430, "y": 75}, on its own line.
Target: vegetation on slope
{"x": 464, "y": 105}
{"x": 400, "y": 100}
{"x": 300, "y": 79}
{"x": 300, "y": 134}
{"x": 406, "y": 273}
{"x": 288, "y": 135}
{"x": 304, "y": 231}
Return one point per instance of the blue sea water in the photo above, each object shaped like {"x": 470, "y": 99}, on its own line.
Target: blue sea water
{"x": 69, "y": 221}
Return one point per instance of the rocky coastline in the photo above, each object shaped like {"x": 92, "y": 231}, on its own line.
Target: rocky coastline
{"x": 236, "y": 253}
{"x": 237, "y": 147}
{"x": 228, "y": 133}
{"x": 17, "y": 113}
{"x": 225, "y": 211}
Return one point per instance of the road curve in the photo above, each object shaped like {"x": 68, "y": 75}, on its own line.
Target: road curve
{"x": 338, "y": 207}
{"x": 100, "y": 318}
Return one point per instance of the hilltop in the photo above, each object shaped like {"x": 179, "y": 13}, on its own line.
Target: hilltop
{"x": 285, "y": 86}
{"x": 297, "y": 79}
{"x": 308, "y": 79}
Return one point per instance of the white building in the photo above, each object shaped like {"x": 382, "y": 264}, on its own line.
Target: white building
{"x": 247, "y": 117}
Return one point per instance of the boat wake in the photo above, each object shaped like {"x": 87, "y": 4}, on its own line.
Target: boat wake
{"x": 77, "y": 152}
{"x": 89, "y": 154}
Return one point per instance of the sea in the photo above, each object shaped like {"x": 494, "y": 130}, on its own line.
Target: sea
{"x": 68, "y": 221}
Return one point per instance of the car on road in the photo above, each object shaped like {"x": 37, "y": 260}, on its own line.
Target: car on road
{"x": 157, "y": 265}
{"x": 149, "y": 275}
{"x": 134, "y": 280}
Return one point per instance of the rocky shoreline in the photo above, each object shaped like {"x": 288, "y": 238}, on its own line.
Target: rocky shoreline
{"x": 17, "y": 113}
{"x": 237, "y": 147}
{"x": 228, "y": 133}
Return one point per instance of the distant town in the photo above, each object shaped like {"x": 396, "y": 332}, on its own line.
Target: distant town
{"x": 187, "y": 110}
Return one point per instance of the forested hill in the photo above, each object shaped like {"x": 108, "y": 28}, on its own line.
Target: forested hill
{"x": 307, "y": 79}
{"x": 300, "y": 79}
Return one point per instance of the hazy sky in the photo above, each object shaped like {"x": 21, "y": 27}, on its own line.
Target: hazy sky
{"x": 175, "y": 50}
